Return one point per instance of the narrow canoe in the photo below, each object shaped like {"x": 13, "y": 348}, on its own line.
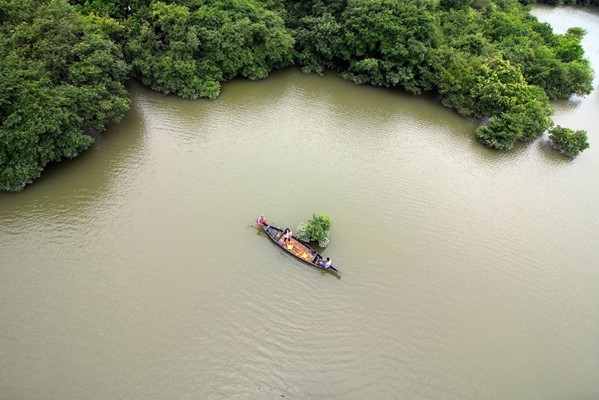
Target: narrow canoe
{"x": 298, "y": 249}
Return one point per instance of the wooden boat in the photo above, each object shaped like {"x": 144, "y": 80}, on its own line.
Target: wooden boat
{"x": 298, "y": 248}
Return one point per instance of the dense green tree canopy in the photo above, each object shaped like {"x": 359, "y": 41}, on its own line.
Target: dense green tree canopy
{"x": 317, "y": 42}
{"x": 489, "y": 59}
{"x": 62, "y": 66}
{"x": 61, "y": 75}
{"x": 568, "y": 141}
{"x": 387, "y": 42}
{"x": 188, "y": 49}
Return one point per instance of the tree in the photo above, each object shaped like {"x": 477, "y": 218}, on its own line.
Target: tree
{"x": 568, "y": 141}
{"x": 317, "y": 42}
{"x": 454, "y": 3}
{"x": 387, "y": 42}
{"x": 189, "y": 49}
{"x": 554, "y": 62}
{"x": 61, "y": 76}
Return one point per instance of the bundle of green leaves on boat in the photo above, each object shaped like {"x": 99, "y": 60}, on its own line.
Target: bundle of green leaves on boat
{"x": 315, "y": 230}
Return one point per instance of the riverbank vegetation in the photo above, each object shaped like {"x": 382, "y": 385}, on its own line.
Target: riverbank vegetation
{"x": 61, "y": 76}
{"x": 63, "y": 65}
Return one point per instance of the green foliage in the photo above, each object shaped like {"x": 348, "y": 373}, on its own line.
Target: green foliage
{"x": 296, "y": 10}
{"x": 315, "y": 230}
{"x": 567, "y": 141}
{"x": 317, "y": 42}
{"x": 110, "y": 27}
{"x": 554, "y": 62}
{"x": 113, "y": 8}
{"x": 188, "y": 49}
{"x": 62, "y": 72}
{"x": 486, "y": 58}
{"x": 507, "y": 70}
{"x": 497, "y": 86}
{"x": 61, "y": 76}
{"x": 387, "y": 42}
{"x": 501, "y": 133}
{"x": 520, "y": 112}
{"x": 454, "y": 3}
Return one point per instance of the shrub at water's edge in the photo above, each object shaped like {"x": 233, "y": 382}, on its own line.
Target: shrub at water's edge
{"x": 315, "y": 230}
{"x": 568, "y": 141}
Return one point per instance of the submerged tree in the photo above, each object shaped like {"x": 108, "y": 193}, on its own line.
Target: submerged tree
{"x": 568, "y": 141}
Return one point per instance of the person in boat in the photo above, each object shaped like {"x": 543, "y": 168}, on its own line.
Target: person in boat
{"x": 284, "y": 237}
{"x": 326, "y": 264}
{"x": 261, "y": 221}
{"x": 287, "y": 235}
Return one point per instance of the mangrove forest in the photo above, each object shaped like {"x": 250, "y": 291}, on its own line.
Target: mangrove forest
{"x": 63, "y": 65}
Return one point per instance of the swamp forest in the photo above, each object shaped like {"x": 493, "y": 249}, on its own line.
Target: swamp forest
{"x": 63, "y": 65}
